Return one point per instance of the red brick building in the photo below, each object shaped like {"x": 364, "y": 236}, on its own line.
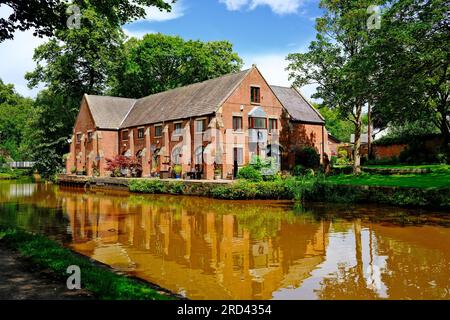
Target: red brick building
{"x": 219, "y": 124}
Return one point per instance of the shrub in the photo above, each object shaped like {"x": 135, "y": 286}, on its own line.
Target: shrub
{"x": 174, "y": 187}
{"x": 242, "y": 190}
{"x": 147, "y": 186}
{"x": 120, "y": 163}
{"x": 73, "y": 170}
{"x": 333, "y": 160}
{"x": 299, "y": 170}
{"x": 307, "y": 157}
{"x": 250, "y": 173}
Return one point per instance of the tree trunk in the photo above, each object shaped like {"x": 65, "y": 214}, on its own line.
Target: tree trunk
{"x": 357, "y": 145}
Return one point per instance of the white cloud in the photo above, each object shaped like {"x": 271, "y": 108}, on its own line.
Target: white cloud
{"x": 273, "y": 68}
{"x": 17, "y": 59}
{"x": 156, "y": 15}
{"x": 278, "y": 6}
{"x": 137, "y": 33}
{"x": 234, "y": 5}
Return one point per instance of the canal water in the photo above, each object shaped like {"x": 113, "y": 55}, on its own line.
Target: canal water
{"x": 208, "y": 249}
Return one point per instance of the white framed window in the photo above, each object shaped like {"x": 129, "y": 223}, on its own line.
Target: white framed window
{"x": 200, "y": 125}
{"x": 178, "y": 128}
{"x": 158, "y": 130}
{"x": 140, "y": 133}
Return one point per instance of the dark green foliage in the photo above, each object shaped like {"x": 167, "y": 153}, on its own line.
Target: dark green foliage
{"x": 418, "y": 153}
{"x": 409, "y": 197}
{"x": 176, "y": 187}
{"x": 308, "y": 157}
{"x": 298, "y": 170}
{"x": 408, "y": 60}
{"x": 383, "y": 161}
{"x": 46, "y": 16}
{"x": 161, "y": 62}
{"x": 16, "y": 115}
{"x": 404, "y": 138}
{"x": 101, "y": 281}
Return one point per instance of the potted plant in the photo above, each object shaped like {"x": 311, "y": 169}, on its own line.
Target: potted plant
{"x": 177, "y": 169}
{"x": 217, "y": 174}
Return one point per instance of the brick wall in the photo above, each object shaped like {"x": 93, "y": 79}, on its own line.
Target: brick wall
{"x": 298, "y": 135}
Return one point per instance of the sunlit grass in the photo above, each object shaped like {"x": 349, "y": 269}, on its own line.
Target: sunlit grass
{"x": 434, "y": 179}
{"x": 432, "y": 167}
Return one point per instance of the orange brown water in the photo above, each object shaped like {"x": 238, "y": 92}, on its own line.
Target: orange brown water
{"x": 208, "y": 249}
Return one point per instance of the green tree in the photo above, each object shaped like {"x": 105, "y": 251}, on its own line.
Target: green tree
{"x": 159, "y": 62}
{"x": 16, "y": 114}
{"x": 338, "y": 127}
{"x": 410, "y": 61}
{"x": 331, "y": 63}
{"x": 47, "y": 16}
{"x": 70, "y": 64}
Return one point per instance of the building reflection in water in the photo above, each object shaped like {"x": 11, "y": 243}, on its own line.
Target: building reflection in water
{"x": 207, "y": 249}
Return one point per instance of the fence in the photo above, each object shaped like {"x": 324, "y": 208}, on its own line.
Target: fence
{"x": 21, "y": 164}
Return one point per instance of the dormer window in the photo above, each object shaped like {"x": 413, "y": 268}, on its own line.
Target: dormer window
{"x": 255, "y": 95}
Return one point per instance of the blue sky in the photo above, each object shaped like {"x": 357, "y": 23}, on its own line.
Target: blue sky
{"x": 262, "y": 32}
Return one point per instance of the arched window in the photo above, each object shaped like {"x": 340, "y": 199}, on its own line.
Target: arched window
{"x": 199, "y": 155}
{"x": 176, "y": 155}
{"x": 274, "y": 151}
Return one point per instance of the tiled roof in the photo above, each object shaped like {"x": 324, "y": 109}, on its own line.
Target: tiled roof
{"x": 194, "y": 100}
{"x": 109, "y": 112}
{"x": 297, "y": 106}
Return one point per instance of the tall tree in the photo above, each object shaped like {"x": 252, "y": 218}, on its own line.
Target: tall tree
{"x": 410, "y": 63}
{"x": 70, "y": 64}
{"x": 47, "y": 16}
{"x": 338, "y": 127}
{"x": 342, "y": 83}
{"x": 16, "y": 115}
{"x": 159, "y": 62}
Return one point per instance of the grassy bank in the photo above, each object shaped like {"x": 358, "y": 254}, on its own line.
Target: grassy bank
{"x": 286, "y": 189}
{"x": 424, "y": 190}
{"x": 101, "y": 281}
{"x": 432, "y": 198}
